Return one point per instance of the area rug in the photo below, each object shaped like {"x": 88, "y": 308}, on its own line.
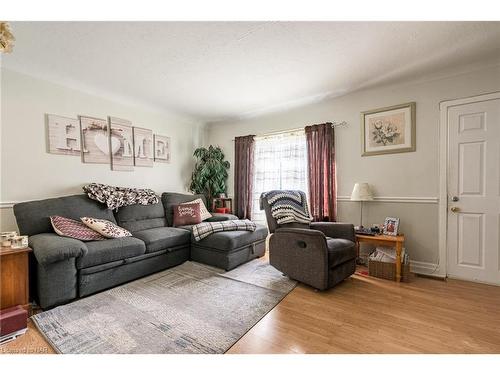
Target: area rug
{"x": 191, "y": 308}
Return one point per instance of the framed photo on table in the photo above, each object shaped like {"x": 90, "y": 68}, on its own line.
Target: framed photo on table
{"x": 391, "y": 226}
{"x": 388, "y": 130}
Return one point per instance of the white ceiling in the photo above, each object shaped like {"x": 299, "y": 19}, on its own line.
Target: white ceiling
{"x": 221, "y": 70}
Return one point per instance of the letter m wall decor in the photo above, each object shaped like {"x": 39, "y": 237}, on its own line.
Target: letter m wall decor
{"x": 143, "y": 147}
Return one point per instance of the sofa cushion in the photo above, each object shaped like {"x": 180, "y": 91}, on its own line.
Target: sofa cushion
{"x": 227, "y": 241}
{"x": 34, "y": 217}
{"x": 74, "y": 229}
{"x": 157, "y": 239}
{"x": 187, "y": 214}
{"x": 340, "y": 251}
{"x": 172, "y": 199}
{"x": 138, "y": 217}
{"x": 100, "y": 252}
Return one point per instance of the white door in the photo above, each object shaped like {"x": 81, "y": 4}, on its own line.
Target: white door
{"x": 474, "y": 191}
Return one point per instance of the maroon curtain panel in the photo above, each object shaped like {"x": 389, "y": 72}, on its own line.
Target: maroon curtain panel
{"x": 321, "y": 163}
{"x": 243, "y": 175}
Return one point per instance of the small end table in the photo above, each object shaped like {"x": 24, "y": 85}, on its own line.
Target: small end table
{"x": 14, "y": 275}
{"x": 385, "y": 240}
{"x": 224, "y": 202}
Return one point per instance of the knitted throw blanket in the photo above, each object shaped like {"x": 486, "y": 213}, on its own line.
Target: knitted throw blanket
{"x": 115, "y": 197}
{"x": 205, "y": 229}
{"x": 288, "y": 206}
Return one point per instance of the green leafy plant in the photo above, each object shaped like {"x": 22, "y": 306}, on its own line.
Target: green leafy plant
{"x": 210, "y": 172}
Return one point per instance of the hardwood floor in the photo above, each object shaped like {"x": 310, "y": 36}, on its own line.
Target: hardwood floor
{"x": 365, "y": 315}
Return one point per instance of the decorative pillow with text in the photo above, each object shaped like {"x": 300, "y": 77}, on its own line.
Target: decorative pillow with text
{"x": 105, "y": 227}
{"x": 203, "y": 209}
{"x": 187, "y": 214}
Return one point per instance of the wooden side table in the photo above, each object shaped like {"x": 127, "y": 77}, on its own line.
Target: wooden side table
{"x": 225, "y": 202}
{"x": 385, "y": 240}
{"x": 14, "y": 278}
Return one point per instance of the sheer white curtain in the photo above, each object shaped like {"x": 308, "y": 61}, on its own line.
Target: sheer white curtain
{"x": 280, "y": 164}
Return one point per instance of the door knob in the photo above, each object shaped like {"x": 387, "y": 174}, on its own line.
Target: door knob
{"x": 455, "y": 209}
{"x": 454, "y": 199}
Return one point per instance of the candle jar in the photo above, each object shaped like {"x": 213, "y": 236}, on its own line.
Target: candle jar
{"x": 5, "y": 238}
{"x": 19, "y": 242}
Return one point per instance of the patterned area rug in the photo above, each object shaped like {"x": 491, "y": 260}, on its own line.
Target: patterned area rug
{"x": 191, "y": 308}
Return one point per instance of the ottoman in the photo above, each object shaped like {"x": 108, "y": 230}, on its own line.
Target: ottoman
{"x": 228, "y": 250}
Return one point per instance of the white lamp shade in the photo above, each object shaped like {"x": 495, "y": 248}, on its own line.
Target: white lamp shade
{"x": 361, "y": 192}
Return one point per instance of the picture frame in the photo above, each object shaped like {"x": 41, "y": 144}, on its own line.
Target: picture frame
{"x": 391, "y": 226}
{"x": 389, "y": 130}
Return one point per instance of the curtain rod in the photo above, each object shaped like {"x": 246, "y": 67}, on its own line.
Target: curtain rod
{"x": 334, "y": 124}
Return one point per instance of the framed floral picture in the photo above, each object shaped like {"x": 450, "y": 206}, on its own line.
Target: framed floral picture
{"x": 391, "y": 226}
{"x": 388, "y": 130}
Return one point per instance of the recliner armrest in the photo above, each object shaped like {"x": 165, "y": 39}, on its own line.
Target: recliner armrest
{"x": 335, "y": 230}
{"x": 51, "y": 248}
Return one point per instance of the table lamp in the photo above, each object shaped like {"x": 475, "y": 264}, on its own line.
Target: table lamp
{"x": 361, "y": 193}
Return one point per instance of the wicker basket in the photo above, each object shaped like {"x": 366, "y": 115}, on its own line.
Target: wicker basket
{"x": 385, "y": 270}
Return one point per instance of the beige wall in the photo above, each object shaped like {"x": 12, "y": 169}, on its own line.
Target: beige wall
{"x": 29, "y": 172}
{"x": 412, "y": 174}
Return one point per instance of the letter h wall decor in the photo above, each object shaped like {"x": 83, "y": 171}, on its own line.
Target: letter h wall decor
{"x": 113, "y": 141}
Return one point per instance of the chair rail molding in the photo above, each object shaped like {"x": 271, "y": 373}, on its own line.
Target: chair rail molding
{"x": 7, "y": 204}
{"x": 431, "y": 200}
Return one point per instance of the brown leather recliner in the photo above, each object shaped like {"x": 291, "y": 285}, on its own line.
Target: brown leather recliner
{"x": 321, "y": 254}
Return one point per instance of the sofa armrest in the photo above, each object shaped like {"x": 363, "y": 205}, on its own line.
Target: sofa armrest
{"x": 302, "y": 254}
{"x": 335, "y": 230}
{"x": 51, "y": 248}
{"x": 221, "y": 217}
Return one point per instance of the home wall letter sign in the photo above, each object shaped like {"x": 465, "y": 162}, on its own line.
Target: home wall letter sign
{"x": 143, "y": 147}
{"x": 162, "y": 148}
{"x": 95, "y": 140}
{"x": 121, "y": 143}
{"x": 63, "y": 135}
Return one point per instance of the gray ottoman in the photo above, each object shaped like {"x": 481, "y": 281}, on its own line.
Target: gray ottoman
{"x": 228, "y": 250}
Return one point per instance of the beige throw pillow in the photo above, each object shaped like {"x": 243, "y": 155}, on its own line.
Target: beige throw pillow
{"x": 105, "y": 227}
{"x": 203, "y": 209}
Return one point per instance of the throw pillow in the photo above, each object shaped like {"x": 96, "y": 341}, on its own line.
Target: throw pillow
{"x": 74, "y": 229}
{"x": 203, "y": 209}
{"x": 105, "y": 227}
{"x": 187, "y": 214}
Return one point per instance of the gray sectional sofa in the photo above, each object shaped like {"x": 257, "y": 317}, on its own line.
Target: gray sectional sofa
{"x": 63, "y": 268}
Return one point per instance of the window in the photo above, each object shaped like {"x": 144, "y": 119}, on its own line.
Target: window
{"x": 280, "y": 164}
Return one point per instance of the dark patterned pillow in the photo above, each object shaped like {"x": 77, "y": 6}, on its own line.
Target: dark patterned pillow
{"x": 187, "y": 214}
{"x": 74, "y": 229}
{"x": 105, "y": 227}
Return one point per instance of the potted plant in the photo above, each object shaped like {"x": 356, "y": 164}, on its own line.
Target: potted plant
{"x": 210, "y": 172}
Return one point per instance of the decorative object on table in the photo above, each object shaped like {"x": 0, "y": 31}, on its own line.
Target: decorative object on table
{"x": 64, "y": 135}
{"x": 14, "y": 277}
{"x": 210, "y": 172}
{"x": 13, "y": 323}
{"x": 74, "y": 229}
{"x": 203, "y": 209}
{"x": 361, "y": 193}
{"x": 121, "y": 144}
{"x": 5, "y": 238}
{"x": 105, "y": 227}
{"x": 391, "y": 226}
{"x": 115, "y": 196}
{"x": 187, "y": 214}
{"x": 143, "y": 147}
{"x": 161, "y": 148}
{"x": 19, "y": 242}
{"x": 388, "y": 130}
{"x": 6, "y": 38}
{"x": 222, "y": 203}
{"x": 95, "y": 140}
{"x": 222, "y": 195}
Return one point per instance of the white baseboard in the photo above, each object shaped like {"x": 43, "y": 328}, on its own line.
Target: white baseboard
{"x": 426, "y": 268}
